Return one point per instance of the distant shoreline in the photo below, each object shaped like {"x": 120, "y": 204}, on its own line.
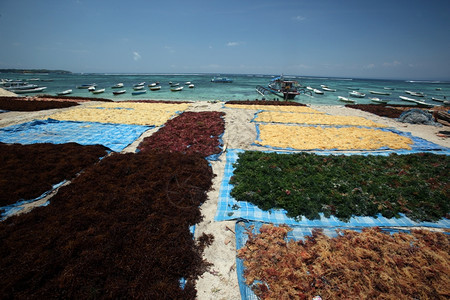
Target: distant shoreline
{"x": 34, "y": 71}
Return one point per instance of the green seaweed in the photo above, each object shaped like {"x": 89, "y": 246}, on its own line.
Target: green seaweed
{"x": 304, "y": 184}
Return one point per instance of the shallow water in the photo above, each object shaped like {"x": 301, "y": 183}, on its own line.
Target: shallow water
{"x": 242, "y": 88}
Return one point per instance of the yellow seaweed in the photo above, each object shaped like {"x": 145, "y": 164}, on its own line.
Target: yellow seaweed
{"x": 344, "y": 138}
{"x": 123, "y": 113}
{"x": 314, "y": 119}
{"x": 285, "y": 108}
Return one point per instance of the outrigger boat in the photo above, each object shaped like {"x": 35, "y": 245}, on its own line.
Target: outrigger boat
{"x": 286, "y": 89}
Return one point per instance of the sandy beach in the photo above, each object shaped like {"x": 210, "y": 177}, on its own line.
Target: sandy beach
{"x": 221, "y": 280}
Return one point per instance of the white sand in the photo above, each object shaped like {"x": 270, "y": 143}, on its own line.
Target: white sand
{"x": 221, "y": 281}
{"x": 5, "y": 93}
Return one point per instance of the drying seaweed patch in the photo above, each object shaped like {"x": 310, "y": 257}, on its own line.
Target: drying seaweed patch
{"x": 190, "y": 132}
{"x": 263, "y": 102}
{"x": 366, "y": 265}
{"x": 71, "y": 98}
{"x": 30, "y": 170}
{"x": 379, "y": 110}
{"x": 304, "y": 184}
{"x": 157, "y": 101}
{"x": 389, "y": 110}
{"x": 120, "y": 230}
{"x": 22, "y": 104}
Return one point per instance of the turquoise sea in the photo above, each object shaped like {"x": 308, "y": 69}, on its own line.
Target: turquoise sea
{"x": 243, "y": 87}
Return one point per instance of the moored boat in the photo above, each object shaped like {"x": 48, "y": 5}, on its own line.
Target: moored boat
{"x": 378, "y": 100}
{"x": 139, "y": 84}
{"x": 221, "y": 80}
{"x": 86, "y": 86}
{"x": 413, "y": 100}
{"x": 287, "y": 88}
{"x": 118, "y": 86}
{"x": 119, "y": 92}
{"x": 438, "y": 99}
{"x": 31, "y": 90}
{"x": 319, "y": 92}
{"x": 416, "y": 94}
{"x": 357, "y": 94}
{"x": 191, "y": 86}
{"x": 327, "y": 89}
{"x": 345, "y": 99}
{"x": 139, "y": 87}
{"x": 98, "y": 91}
{"x": 177, "y": 89}
{"x": 66, "y": 92}
{"x": 380, "y": 93}
{"x": 155, "y": 88}
{"x": 140, "y": 92}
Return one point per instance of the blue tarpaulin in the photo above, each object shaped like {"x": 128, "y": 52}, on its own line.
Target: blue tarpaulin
{"x": 230, "y": 209}
{"x": 114, "y": 136}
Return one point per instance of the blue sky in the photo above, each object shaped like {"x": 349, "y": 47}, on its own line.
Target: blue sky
{"x": 393, "y": 39}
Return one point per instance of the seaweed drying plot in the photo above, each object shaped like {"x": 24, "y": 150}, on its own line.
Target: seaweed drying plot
{"x": 416, "y": 185}
{"x": 190, "y": 132}
{"x": 264, "y": 102}
{"x": 30, "y": 170}
{"x": 21, "y": 104}
{"x": 366, "y": 265}
{"x": 119, "y": 230}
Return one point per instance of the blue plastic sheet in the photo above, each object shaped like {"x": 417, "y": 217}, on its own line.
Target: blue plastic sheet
{"x": 114, "y": 136}
{"x": 230, "y": 209}
{"x": 11, "y": 209}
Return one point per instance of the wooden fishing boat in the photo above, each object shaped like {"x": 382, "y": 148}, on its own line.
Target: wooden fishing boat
{"x": 119, "y": 92}
{"x": 66, "y": 92}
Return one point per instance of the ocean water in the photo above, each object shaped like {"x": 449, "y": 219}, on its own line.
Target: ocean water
{"x": 242, "y": 88}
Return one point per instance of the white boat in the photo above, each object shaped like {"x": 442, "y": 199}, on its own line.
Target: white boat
{"x": 138, "y": 87}
{"x": 66, "y": 92}
{"x": 140, "y": 92}
{"x": 357, "y": 94}
{"x": 438, "y": 99}
{"x": 176, "y": 89}
{"x": 174, "y": 84}
{"x": 86, "y": 86}
{"x": 187, "y": 83}
{"x": 413, "y": 100}
{"x": 416, "y": 94}
{"x": 317, "y": 91}
{"x": 310, "y": 88}
{"x": 191, "y": 86}
{"x": 118, "y": 86}
{"x": 380, "y": 93}
{"x": 152, "y": 84}
{"x": 325, "y": 88}
{"x": 378, "y": 100}
{"x": 119, "y": 92}
{"x": 26, "y": 91}
{"x": 91, "y": 88}
{"x": 344, "y": 99}
{"x": 139, "y": 84}
{"x": 155, "y": 88}
{"x": 98, "y": 91}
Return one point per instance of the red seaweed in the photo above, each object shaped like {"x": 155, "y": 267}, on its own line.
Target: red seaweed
{"x": 119, "y": 230}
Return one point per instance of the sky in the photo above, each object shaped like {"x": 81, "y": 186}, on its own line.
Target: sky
{"x": 385, "y": 39}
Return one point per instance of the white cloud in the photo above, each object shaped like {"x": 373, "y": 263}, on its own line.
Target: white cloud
{"x": 392, "y": 64}
{"x": 233, "y": 44}
{"x": 170, "y": 49}
{"x": 370, "y": 66}
{"x": 136, "y": 56}
{"x": 299, "y": 18}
